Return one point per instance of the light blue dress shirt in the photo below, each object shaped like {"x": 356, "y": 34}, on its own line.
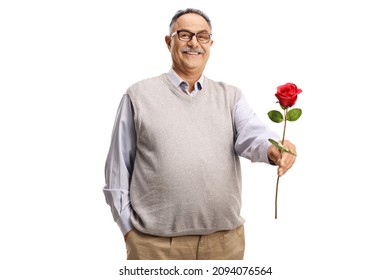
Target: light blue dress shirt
{"x": 251, "y": 143}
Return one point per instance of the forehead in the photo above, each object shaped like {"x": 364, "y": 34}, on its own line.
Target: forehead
{"x": 192, "y": 22}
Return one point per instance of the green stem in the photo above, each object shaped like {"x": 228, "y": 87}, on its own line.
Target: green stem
{"x": 285, "y": 124}
{"x": 276, "y": 198}
{"x": 277, "y": 182}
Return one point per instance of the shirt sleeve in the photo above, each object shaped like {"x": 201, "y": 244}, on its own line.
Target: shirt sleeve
{"x": 119, "y": 165}
{"x": 251, "y": 134}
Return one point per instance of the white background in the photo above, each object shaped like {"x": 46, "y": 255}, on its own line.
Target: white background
{"x": 64, "y": 65}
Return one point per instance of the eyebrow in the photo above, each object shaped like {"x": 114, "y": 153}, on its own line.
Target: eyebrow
{"x": 201, "y": 31}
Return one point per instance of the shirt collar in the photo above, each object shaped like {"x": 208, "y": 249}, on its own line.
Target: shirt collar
{"x": 177, "y": 81}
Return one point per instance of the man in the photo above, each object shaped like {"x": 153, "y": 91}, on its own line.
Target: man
{"x": 173, "y": 178}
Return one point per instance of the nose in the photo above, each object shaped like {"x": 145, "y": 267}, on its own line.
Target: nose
{"x": 193, "y": 41}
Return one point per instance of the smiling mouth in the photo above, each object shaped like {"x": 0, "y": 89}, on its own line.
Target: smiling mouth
{"x": 192, "y": 51}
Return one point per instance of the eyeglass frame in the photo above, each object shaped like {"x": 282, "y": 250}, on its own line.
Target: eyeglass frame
{"x": 192, "y": 35}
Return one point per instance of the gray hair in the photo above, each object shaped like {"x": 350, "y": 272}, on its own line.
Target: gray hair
{"x": 188, "y": 11}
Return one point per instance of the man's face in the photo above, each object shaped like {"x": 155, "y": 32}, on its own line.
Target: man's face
{"x": 184, "y": 60}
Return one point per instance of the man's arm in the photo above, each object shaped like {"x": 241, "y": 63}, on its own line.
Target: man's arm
{"x": 119, "y": 165}
{"x": 252, "y": 139}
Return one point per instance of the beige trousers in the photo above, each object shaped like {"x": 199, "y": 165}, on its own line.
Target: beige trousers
{"x": 221, "y": 245}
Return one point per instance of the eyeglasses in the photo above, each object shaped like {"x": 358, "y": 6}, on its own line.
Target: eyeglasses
{"x": 203, "y": 37}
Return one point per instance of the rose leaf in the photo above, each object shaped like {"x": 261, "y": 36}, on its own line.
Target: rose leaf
{"x": 293, "y": 114}
{"x": 275, "y": 116}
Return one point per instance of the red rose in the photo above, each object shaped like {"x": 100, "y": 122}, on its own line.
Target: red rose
{"x": 287, "y": 94}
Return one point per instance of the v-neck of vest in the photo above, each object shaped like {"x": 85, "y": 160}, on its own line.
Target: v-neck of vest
{"x": 182, "y": 94}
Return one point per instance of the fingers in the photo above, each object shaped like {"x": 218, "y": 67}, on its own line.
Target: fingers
{"x": 286, "y": 160}
{"x": 285, "y": 163}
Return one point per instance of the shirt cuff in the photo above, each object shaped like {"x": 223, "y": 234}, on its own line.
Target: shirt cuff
{"x": 271, "y": 162}
{"x": 124, "y": 222}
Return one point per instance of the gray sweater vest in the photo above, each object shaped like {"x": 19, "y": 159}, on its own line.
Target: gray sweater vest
{"x": 186, "y": 178}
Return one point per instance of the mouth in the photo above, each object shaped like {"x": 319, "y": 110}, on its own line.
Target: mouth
{"x": 193, "y": 53}
{"x": 190, "y": 51}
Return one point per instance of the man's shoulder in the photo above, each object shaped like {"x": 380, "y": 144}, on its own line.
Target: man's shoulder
{"x": 149, "y": 82}
{"x": 224, "y": 89}
{"x": 146, "y": 85}
{"x": 222, "y": 85}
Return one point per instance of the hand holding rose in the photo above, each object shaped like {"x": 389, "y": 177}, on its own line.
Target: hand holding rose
{"x": 283, "y": 153}
{"x": 284, "y": 160}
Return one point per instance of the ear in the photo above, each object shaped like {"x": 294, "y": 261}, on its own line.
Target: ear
{"x": 211, "y": 42}
{"x": 168, "y": 41}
